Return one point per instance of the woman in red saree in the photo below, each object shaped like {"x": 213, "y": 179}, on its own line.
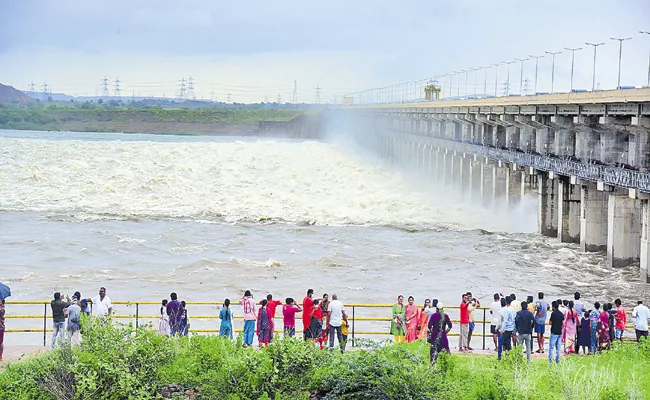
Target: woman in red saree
{"x": 570, "y": 329}
{"x": 412, "y": 320}
{"x": 423, "y": 321}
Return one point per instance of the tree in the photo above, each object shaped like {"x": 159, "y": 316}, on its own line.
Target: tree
{"x": 100, "y": 101}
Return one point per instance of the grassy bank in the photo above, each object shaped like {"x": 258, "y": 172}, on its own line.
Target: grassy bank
{"x": 112, "y": 363}
{"x": 93, "y": 118}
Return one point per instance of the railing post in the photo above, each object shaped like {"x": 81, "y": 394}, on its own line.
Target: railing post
{"x": 353, "y": 326}
{"x": 484, "y": 328}
{"x": 44, "y": 324}
{"x": 137, "y": 318}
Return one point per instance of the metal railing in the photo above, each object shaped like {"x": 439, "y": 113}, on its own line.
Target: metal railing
{"x": 609, "y": 175}
{"x": 356, "y": 322}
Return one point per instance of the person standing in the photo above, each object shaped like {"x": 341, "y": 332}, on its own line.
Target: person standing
{"x": 74, "y": 318}
{"x": 641, "y": 315}
{"x": 621, "y": 319}
{"x": 315, "y": 330}
{"x": 175, "y": 312}
{"x": 2, "y": 327}
{"x": 101, "y": 304}
{"x": 271, "y": 305}
{"x": 570, "y": 330}
{"x": 578, "y": 305}
{"x": 58, "y": 317}
{"x": 507, "y": 324}
{"x": 439, "y": 326}
{"x": 307, "y": 305}
{"x": 495, "y": 307}
{"x": 225, "y": 315}
{"x": 525, "y": 323}
{"x": 541, "y": 309}
{"x": 531, "y": 305}
{"x": 264, "y": 325}
{"x": 473, "y": 305}
{"x": 423, "y": 321}
{"x": 324, "y": 303}
{"x": 602, "y": 329}
{"x": 557, "y": 321}
{"x": 250, "y": 316}
{"x": 185, "y": 321}
{"x": 584, "y": 335}
{"x": 412, "y": 318}
{"x": 163, "y": 324}
{"x": 398, "y": 323}
{"x": 593, "y": 319}
{"x": 516, "y": 307}
{"x": 289, "y": 311}
{"x": 335, "y": 315}
{"x": 464, "y": 324}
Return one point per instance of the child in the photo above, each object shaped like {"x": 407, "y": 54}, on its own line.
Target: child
{"x": 225, "y": 315}
{"x": 185, "y": 322}
{"x": 344, "y": 333}
{"x": 163, "y": 325}
{"x": 584, "y": 334}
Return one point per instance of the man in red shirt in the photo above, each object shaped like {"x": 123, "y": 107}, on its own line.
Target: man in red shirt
{"x": 271, "y": 305}
{"x": 307, "y": 305}
{"x": 463, "y": 343}
{"x": 621, "y": 319}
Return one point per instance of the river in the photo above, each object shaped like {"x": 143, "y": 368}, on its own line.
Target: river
{"x": 209, "y": 217}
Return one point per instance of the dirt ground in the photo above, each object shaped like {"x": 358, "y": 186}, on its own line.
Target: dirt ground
{"x": 13, "y": 354}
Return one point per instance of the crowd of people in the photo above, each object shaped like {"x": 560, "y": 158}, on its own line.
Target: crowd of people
{"x": 512, "y": 322}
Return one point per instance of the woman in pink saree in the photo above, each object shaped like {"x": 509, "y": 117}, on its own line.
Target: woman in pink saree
{"x": 570, "y": 329}
{"x": 412, "y": 319}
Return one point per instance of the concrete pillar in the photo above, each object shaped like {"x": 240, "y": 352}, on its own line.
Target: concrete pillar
{"x": 487, "y": 179}
{"x": 475, "y": 182}
{"x": 499, "y": 187}
{"x": 547, "y": 214}
{"x": 593, "y": 219}
{"x": 641, "y": 132}
{"x": 568, "y": 225}
{"x": 464, "y": 178}
{"x": 587, "y": 138}
{"x": 466, "y": 132}
{"x": 488, "y": 135}
{"x": 614, "y": 140}
{"x": 645, "y": 241}
{"x": 500, "y": 137}
{"x": 623, "y": 231}
{"x": 512, "y": 132}
{"x": 528, "y": 184}
{"x": 513, "y": 186}
{"x": 565, "y": 136}
{"x": 545, "y": 137}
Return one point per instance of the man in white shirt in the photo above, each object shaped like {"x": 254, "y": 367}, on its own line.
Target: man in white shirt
{"x": 101, "y": 304}
{"x": 495, "y": 307}
{"x": 641, "y": 316}
{"x": 336, "y": 314}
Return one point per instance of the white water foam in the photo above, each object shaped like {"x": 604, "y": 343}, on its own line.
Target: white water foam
{"x": 240, "y": 181}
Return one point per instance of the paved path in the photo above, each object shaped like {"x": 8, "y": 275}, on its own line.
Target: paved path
{"x": 17, "y": 353}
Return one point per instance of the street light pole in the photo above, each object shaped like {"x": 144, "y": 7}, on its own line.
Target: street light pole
{"x": 620, "y": 55}
{"x": 573, "y": 56}
{"x": 536, "y": 68}
{"x": 521, "y": 75}
{"x": 496, "y": 78}
{"x": 553, "y": 69}
{"x": 458, "y": 82}
{"x": 485, "y": 81}
{"x": 474, "y": 71}
{"x": 647, "y": 33}
{"x": 508, "y": 78}
{"x": 593, "y": 79}
{"x": 466, "y": 87}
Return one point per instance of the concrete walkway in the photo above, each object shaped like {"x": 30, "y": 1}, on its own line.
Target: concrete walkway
{"x": 12, "y": 354}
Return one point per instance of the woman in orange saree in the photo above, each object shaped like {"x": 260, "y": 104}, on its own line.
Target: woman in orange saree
{"x": 423, "y": 321}
{"x": 412, "y": 320}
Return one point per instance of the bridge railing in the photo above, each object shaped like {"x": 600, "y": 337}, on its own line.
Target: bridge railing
{"x": 609, "y": 175}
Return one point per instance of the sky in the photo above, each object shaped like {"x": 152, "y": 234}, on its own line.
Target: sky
{"x": 257, "y": 49}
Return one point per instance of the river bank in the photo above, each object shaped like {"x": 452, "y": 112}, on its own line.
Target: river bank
{"x": 114, "y": 363}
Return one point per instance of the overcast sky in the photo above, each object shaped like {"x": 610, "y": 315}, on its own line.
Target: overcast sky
{"x": 257, "y": 48}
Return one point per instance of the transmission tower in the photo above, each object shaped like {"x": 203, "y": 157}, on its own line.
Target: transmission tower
{"x": 294, "y": 97}
{"x": 190, "y": 89}
{"x": 526, "y": 89}
{"x": 505, "y": 90}
{"x": 182, "y": 89}
{"x": 266, "y": 98}
{"x": 117, "y": 91}
{"x": 279, "y": 99}
{"x": 318, "y": 89}
{"x": 229, "y": 97}
{"x": 45, "y": 88}
{"x": 105, "y": 87}
{"x": 32, "y": 87}
{"x": 212, "y": 96}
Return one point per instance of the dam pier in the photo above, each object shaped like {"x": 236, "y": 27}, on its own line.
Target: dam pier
{"x": 586, "y": 156}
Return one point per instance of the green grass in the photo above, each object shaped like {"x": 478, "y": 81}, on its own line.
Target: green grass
{"x": 113, "y": 363}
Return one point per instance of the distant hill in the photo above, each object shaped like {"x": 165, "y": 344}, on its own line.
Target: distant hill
{"x": 8, "y": 94}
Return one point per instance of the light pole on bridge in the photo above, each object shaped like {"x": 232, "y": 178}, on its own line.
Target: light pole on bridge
{"x": 474, "y": 71}
{"x": 647, "y": 33}
{"x": 620, "y": 55}
{"x": 508, "y": 78}
{"x": 553, "y": 69}
{"x": 485, "y": 80}
{"x": 496, "y": 78}
{"x": 593, "y": 75}
{"x": 521, "y": 75}
{"x": 466, "y": 87}
{"x": 458, "y": 82}
{"x": 573, "y": 56}
{"x": 536, "y": 68}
